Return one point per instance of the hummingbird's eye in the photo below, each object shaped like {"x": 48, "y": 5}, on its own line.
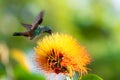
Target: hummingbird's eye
{"x": 49, "y": 31}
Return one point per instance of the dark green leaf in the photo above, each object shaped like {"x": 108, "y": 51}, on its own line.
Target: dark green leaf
{"x": 91, "y": 77}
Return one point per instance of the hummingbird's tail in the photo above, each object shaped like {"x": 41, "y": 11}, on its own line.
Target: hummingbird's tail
{"x": 20, "y": 34}
{"x": 17, "y": 34}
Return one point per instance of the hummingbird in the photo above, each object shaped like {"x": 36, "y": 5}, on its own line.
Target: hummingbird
{"x": 35, "y": 28}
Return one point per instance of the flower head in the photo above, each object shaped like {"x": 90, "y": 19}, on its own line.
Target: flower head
{"x": 61, "y": 53}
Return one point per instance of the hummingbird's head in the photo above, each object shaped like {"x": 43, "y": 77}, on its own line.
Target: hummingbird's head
{"x": 47, "y": 29}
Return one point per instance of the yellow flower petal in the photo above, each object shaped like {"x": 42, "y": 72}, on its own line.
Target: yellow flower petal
{"x": 61, "y": 53}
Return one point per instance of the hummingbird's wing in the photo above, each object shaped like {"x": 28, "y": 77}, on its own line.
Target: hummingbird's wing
{"x": 27, "y": 26}
{"x": 38, "y": 20}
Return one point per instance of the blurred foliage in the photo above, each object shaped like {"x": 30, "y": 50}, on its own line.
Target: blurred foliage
{"x": 21, "y": 74}
{"x": 95, "y": 23}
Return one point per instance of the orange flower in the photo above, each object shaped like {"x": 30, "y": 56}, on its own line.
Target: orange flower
{"x": 61, "y": 53}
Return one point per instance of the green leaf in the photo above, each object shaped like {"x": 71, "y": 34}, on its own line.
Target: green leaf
{"x": 91, "y": 77}
{"x": 2, "y": 69}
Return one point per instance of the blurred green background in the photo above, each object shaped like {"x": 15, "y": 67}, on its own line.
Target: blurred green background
{"x": 94, "y": 23}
